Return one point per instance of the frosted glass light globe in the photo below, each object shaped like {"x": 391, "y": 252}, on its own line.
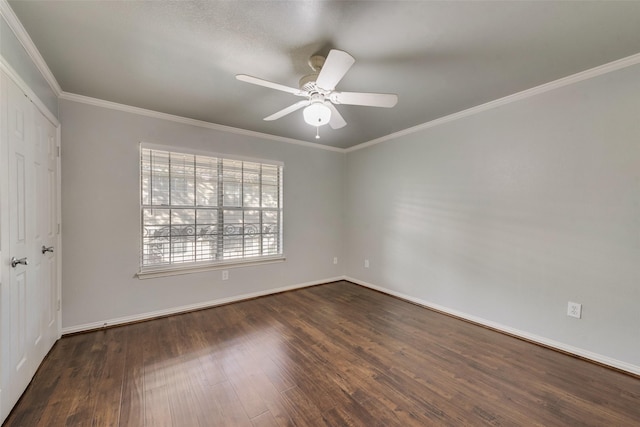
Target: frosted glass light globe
{"x": 317, "y": 114}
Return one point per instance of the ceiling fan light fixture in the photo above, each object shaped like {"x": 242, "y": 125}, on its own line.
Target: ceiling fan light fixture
{"x": 317, "y": 114}
{"x": 319, "y": 90}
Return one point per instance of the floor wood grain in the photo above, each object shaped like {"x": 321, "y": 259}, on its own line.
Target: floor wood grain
{"x": 330, "y": 355}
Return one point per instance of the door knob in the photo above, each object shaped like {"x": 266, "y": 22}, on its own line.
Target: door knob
{"x": 15, "y": 262}
{"x": 47, "y": 249}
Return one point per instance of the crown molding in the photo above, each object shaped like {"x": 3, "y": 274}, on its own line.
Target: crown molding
{"x": 528, "y": 93}
{"x": 18, "y": 29}
{"x": 16, "y": 26}
{"x": 23, "y": 37}
{"x": 15, "y": 77}
{"x": 193, "y": 122}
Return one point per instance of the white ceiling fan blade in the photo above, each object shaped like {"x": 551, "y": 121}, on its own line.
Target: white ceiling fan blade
{"x": 386, "y": 100}
{"x": 290, "y": 109}
{"x": 271, "y": 85}
{"x": 335, "y": 67}
{"x": 336, "y": 121}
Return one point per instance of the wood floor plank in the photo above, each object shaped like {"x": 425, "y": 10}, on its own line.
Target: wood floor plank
{"x": 330, "y": 355}
{"x": 132, "y": 408}
{"x": 302, "y": 409}
{"x": 231, "y": 412}
{"x": 85, "y": 377}
{"x": 156, "y": 356}
{"x": 108, "y": 388}
{"x": 265, "y": 419}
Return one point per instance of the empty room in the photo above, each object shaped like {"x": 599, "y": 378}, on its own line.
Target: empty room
{"x": 319, "y": 213}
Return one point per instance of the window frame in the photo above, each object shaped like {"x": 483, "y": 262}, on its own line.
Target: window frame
{"x": 172, "y": 268}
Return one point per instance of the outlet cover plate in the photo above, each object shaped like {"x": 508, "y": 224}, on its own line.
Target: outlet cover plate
{"x": 574, "y": 310}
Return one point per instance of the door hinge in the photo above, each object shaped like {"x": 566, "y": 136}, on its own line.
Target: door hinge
{"x": 59, "y": 228}
{"x": 58, "y": 151}
{"x": 58, "y": 305}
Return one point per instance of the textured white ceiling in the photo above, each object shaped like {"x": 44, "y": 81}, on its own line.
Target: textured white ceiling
{"x": 180, "y": 57}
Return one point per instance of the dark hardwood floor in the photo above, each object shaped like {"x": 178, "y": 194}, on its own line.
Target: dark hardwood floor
{"x": 335, "y": 354}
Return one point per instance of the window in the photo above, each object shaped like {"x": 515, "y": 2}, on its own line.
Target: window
{"x": 198, "y": 209}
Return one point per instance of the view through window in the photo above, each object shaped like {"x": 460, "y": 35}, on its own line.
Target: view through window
{"x": 198, "y": 208}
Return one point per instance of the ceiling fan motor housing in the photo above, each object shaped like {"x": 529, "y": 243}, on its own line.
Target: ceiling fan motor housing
{"x": 316, "y": 62}
{"x": 308, "y": 82}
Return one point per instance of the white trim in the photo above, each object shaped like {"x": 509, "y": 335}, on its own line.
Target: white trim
{"x": 190, "y": 307}
{"x": 26, "y": 41}
{"x": 59, "y": 227}
{"x": 556, "y": 84}
{"x": 186, "y": 150}
{"x": 605, "y": 360}
{"x": 23, "y": 37}
{"x": 187, "y": 121}
{"x": 15, "y": 77}
{"x": 150, "y": 273}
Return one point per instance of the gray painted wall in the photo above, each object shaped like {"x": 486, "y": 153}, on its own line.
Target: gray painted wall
{"x": 14, "y": 53}
{"x": 509, "y": 214}
{"x": 505, "y": 215}
{"x": 100, "y": 216}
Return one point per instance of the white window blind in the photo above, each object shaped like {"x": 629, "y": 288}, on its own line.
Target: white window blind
{"x": 203, "y": 209}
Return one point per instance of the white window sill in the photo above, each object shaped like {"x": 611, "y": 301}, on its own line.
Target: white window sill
{"x": 152, "y": 272}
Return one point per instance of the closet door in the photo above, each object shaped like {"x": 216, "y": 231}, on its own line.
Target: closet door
{"x": 29, "y": 226}
{"x": 45, "y": 327}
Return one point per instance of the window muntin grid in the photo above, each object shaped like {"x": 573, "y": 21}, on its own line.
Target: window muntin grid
{"x": 203, "y": 209}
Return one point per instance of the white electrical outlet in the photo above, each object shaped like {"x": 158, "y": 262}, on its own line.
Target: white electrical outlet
{"x": 366, "y": 263}
{"x": 574, "y": 310}
{"x": 225, "y": 274}
{"x": 335, "y": 259}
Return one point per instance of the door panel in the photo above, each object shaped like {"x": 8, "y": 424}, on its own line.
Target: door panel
{"x": 47, "y": 223}
{"x": 18, "y": 321}
{"x": 36, "y": 297}
{"x": 19, "y": 190}
{"x": 51, "y": 302}
{"x": 21, "y": 204}
{"x": 28, "y": 219}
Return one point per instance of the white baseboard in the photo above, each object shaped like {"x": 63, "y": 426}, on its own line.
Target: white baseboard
{"x": 598, "y": 358}
{"x": 627, "y": 367}
{"x": 190, "y": 307}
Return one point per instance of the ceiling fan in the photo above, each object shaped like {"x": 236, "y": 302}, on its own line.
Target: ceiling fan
{"x": 319, "y": 90}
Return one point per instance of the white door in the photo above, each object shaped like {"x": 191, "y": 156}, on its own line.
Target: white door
{"x": 28, "y": 309}
{"x": 45, "y": 238}
{"x": 21, "y": 215}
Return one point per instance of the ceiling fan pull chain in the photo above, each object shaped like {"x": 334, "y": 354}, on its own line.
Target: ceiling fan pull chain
{"x": 317, "y": 132}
